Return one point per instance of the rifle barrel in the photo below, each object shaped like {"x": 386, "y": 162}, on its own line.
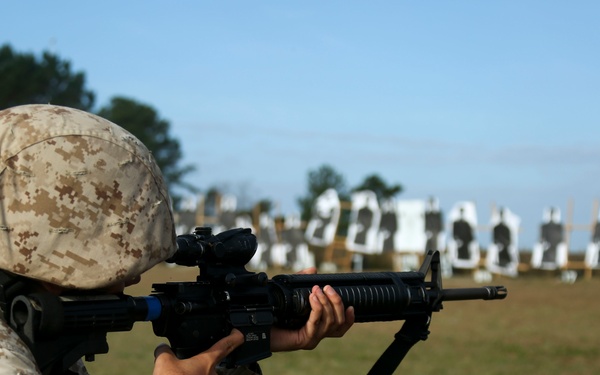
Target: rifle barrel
{"x": 485, "y": 293}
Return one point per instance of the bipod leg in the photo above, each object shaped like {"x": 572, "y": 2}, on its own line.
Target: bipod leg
{"x": 413, "y": 330}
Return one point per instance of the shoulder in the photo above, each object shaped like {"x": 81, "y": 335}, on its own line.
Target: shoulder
{"x": 15, "y": 356}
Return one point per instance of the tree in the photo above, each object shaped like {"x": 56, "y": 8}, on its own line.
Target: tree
{"x": 377, "y": 185}
{"x": 319, "y": 180}
{"x": 143, "y": 121}
{"x": 24, "y": 79}
{"x": 264, "y": 205}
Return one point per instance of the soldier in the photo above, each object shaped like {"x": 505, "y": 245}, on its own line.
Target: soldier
{"x": 83, "y": 206}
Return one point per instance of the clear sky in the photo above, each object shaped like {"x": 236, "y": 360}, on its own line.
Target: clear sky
{"x": 497, "y": 102}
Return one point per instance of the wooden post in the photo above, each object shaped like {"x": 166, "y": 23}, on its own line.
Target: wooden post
{"x": 339, "y": 242}
{"x": 587, "y": 273}
{"x": 200, "y": 211}
{"x": 568, "y": 229}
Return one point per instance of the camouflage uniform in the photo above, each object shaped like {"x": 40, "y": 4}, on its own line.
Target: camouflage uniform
{"x": 15, "y": 357}
{"x": 82, "y": 205}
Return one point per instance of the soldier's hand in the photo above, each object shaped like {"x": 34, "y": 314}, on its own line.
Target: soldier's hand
{"x": 328, "y": 318}
{"x": 166, "y": 363}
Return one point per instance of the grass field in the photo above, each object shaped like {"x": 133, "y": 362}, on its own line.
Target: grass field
{"x": 542, "y": 327}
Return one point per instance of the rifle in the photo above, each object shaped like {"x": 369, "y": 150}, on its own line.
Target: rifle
{"x": 194, "y": 315}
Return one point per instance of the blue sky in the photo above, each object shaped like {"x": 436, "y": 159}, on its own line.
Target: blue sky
{"x": 495, "y": 102}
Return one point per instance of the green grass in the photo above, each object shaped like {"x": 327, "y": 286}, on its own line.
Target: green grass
{"x": 542, "y": 327}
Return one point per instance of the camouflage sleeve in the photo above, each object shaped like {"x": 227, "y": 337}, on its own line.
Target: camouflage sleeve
{"x": 15, "y": 356}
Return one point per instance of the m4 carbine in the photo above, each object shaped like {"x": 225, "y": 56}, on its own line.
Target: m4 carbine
{"x": 194, "y": 315}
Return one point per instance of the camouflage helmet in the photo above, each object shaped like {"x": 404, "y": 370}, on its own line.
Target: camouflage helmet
{"x": 82, "y": 202}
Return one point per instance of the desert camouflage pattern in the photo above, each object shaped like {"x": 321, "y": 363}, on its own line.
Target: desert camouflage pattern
{"x": 82, "y": 201}
{"x": 15, "y": 357}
